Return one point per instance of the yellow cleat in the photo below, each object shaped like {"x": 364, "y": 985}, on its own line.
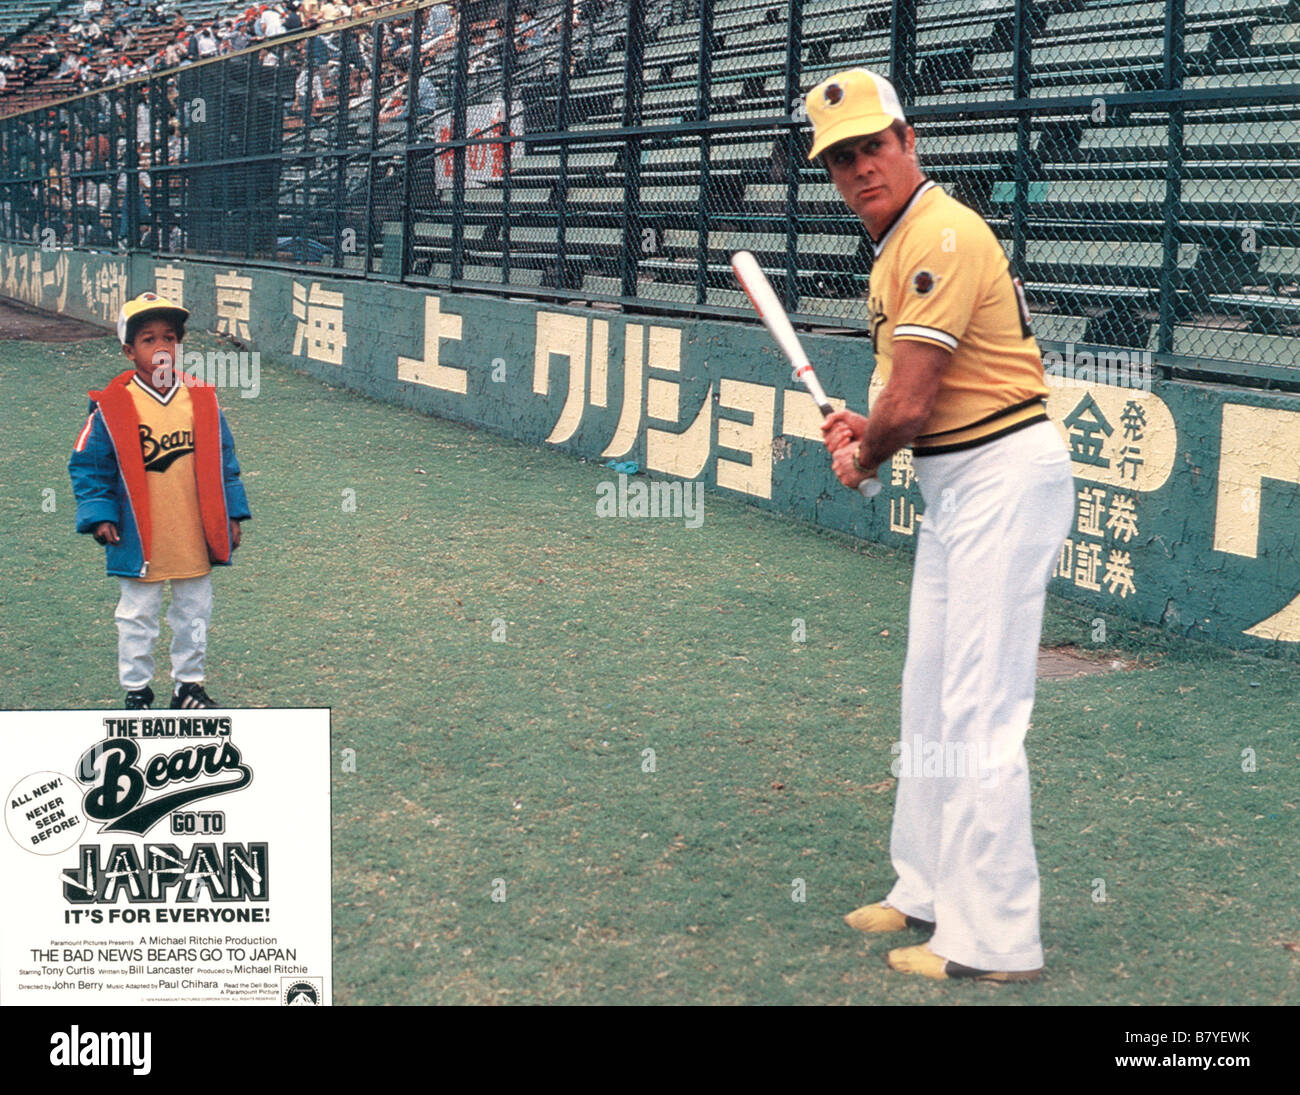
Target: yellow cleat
{"x": 921, "y": 959}
{"x": 883, "y": 918}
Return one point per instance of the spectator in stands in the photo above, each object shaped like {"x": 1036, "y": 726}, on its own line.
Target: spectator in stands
{"x": 426, "y": 96}
{"x": 526, "y": 30}
{"x": 323, "y": 49}
{"x": 272, "y": 22}
{"x": 300, "y": 90}
{"x": 143, "y": 186}
{"x": 355, "y": 46}
{"x": 393, "y": 108}
{"x": 91, "y": 8}
{"x": 206, "y": 42}
{"x": 48, "y": 57}
{"x": 69, "y": 68}
{"x": 332, "y": 12}
{"x": 483, "y": 55}
{"x": 363, "y": 95}
{"x": 437, "y": 22}
{"x": 292, "y": 20}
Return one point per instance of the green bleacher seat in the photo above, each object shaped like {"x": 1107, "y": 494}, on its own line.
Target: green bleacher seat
{"x": 756, "y": 38}
{"x": 1107, "y": 262}
{"x": 1281, "y": 264}
{"x": 747, "y": 62}
{"x": 1233, "y": 344}
{"x": 1267, "y": 78}
{"x": 1096, "y": 19}
{"x": 519, "y": 195}
{"x": 947, "y": 9}
{"x": 928, "y": 37}
{"x": 861, "y": 49}
{"x": 686, "y": 195}
{"x": 1196, "y": 10}
{"x": 689, "y": 30}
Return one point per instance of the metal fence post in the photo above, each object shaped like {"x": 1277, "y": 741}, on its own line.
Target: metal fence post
{"x": 633, "y": 81}
{"x": 248, "y": 143}
{"x": 341, "y": 142}
{"x": 1021, "y": 75}
{"x": 705, "y": 97}
{"x": 791, "y": 146}
{"x": 562, "y": 125}
{"x": 1171, "y": 231}
{"x": 413, "y": 73}
{"x": 902, "y": 50}
{"x": 131, "y": 192}
{"x": 376, "y": 47}
{"x": 507, "y": 129}
{"x": 223, "y": 103}
{"x": 459, "y": 106}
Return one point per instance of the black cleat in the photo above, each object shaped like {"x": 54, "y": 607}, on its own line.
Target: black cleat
{"x": 191, "y": 694}
{"x": 140, "y": 699}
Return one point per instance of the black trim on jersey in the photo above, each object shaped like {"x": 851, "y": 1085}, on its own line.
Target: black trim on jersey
{"x": 149, "y": 390}
{"x": 990, "y": 417}
{"x": 938, "y": 450}
{"x": 876, "y": 247}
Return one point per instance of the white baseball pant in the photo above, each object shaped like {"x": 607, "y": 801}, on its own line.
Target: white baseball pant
{"x": 995, "y": 519}
{"x": 137, "y": 628}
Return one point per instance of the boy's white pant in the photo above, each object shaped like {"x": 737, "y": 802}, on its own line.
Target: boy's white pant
{"x": 137, "y": 628}
{"x": 995, "y": 519}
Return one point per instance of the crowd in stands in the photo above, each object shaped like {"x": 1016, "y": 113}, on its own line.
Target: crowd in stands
{"x": 103, "y": 42}
{"x": 99, "y": 43}
{"x": 140, "y": 37}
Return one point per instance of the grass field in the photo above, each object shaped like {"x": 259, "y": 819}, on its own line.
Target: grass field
{"x": 523, "y": 759}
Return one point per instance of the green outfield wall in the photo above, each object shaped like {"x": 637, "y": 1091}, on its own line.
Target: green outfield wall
{"x": 1187, "y": 495}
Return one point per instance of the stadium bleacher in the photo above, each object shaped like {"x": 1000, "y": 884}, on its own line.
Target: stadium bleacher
{"x": 1125, "y": 234}
{"x": 19, "y": 15}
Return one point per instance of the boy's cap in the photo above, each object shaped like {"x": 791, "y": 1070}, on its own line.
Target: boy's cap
{"x": 148, "y": 304}
{"x": 854, "y": 103}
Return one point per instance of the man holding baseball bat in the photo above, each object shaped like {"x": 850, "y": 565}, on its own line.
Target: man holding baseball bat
{"x": 965, "y": 389}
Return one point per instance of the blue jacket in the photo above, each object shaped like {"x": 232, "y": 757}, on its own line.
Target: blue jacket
{"x": 109, "y": 480}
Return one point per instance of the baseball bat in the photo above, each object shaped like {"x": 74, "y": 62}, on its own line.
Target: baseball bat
{"x": 768, "y": 305}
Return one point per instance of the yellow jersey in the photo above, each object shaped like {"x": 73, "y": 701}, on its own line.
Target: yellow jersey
{"x": 167, "y": 445}
{"x": 940, "y": 276}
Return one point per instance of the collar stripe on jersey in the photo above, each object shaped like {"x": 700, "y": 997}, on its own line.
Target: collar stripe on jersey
{"x": 879, "y": 245}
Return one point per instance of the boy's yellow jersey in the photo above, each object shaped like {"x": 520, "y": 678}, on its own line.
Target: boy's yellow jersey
{"x": 167, "y": 445}
{"x": 940, "y": 276}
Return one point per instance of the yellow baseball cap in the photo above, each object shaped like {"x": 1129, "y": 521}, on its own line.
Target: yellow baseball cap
{"x": 853, "y": 103}
{"x": 146, "y": 304}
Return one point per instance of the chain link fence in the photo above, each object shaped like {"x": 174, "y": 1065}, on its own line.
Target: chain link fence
{"x": 1139, "y": 161}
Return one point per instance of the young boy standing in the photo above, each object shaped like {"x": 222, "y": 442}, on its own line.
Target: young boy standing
{"x": 157, "y": 482}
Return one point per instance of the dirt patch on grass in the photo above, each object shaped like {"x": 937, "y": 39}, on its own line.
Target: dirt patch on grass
{"x": 21, "y": 321}
{"x": 1062, "y": 663}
